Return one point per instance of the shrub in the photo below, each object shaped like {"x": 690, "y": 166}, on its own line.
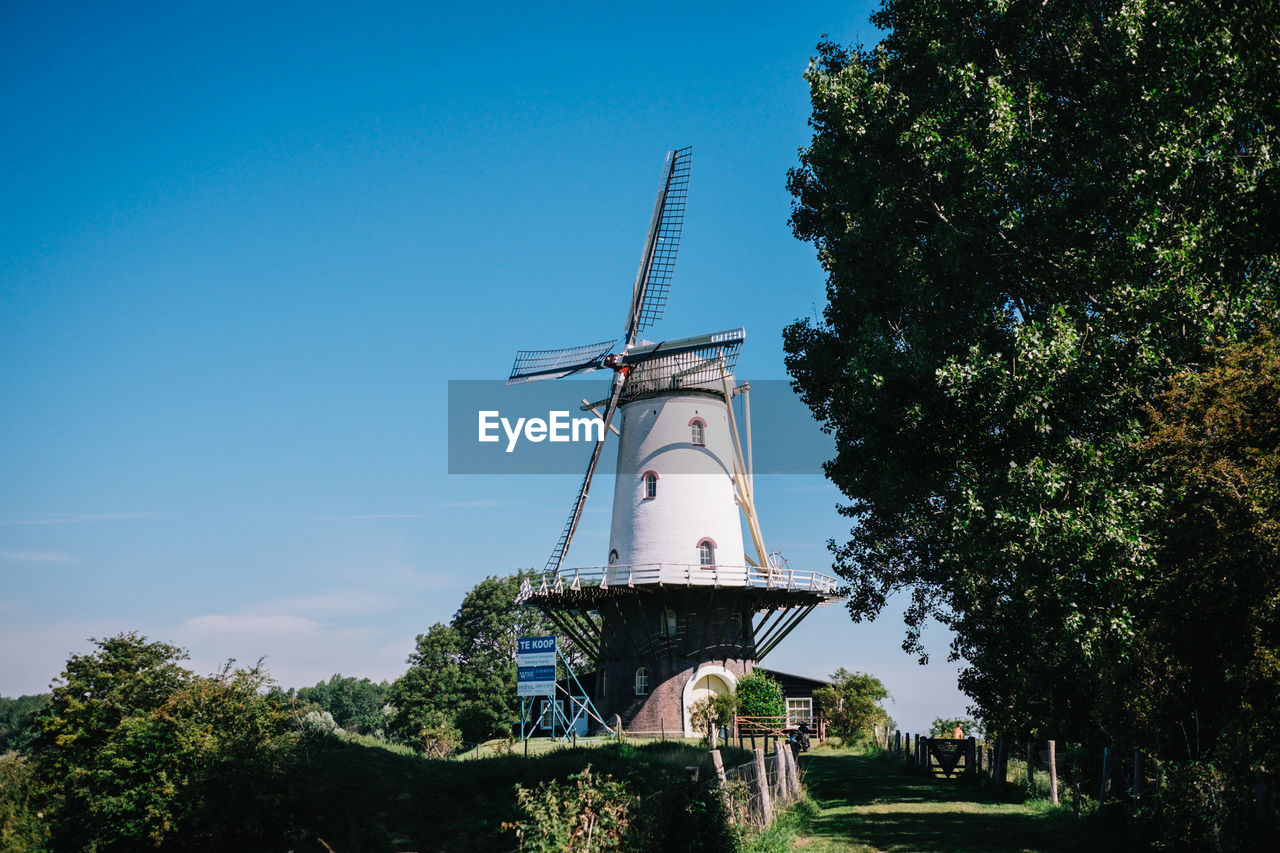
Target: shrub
{"x": 1201, "y": 808}
{"x": 21, "y": 829}
{"x": 588, "y": 813}
{"x": 436, "y": 736}
{"x": 710, "y": 712}
{"x": 760, "y": 696}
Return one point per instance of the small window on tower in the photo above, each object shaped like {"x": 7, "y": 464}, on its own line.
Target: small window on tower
{"x": 642, "y": 682}
{"x": 650, "y": 485}
{"x": 707, "y": 554}
{"x": 699, "y": 430}
{"x": 668, "y": 623}
{"x": 613, "y": 557}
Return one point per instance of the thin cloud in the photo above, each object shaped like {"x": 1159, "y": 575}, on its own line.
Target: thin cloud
{"x": 77, "y": 519}
{"x": 46, "y": 557}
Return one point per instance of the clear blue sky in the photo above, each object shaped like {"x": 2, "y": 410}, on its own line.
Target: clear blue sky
{"x": 243, "y": 248}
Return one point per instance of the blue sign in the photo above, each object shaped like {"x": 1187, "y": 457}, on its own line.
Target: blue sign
{"x": 536, "y": 666}
{"x": 536, "y": 673}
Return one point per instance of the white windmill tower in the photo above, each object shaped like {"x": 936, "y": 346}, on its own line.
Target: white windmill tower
{"x": 683, "y": 610}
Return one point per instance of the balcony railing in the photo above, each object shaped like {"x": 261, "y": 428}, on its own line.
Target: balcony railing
{"x": 677, "y": 574}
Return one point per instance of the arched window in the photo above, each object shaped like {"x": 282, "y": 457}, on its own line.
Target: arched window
{"x": 668, "y": 623}
{"x": 698, "y": 427}
{"x": 642, "y": 682}
{"x": 613, "y": 557}
{"x": 707, "y": 554}
{"x": 650, "y": 485}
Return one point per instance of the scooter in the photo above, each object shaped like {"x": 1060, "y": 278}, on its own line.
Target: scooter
{"x": 800, "y": 738}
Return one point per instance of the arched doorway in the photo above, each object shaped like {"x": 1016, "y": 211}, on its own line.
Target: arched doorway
{"x": 707, "y": 680}
{"x": 707, "y": 685}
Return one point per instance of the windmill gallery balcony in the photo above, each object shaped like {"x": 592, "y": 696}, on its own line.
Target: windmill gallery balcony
{"x": 588, "y": 580}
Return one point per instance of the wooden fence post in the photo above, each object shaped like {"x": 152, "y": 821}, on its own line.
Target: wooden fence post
{"x": 1053, "y": 773}
{"x": 793, "y": 775}
{"x": 897, "y": 743}
{"x": 762, "y": 788}
{"x": 971, "y": 757}
{"x": 1031, "y": 767}
{"x": 779, "y": 791}
{"x": 718, "y": 762}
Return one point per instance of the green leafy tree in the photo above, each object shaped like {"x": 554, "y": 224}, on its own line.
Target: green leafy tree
{"x": 432, "y": 689}
{"x": 356, "y": 704}
{"x": 946, "y": 726}
{"x": 851, "y": 705}
{"x": 23, "y": 828}
{"x": 1211, "y": 633}
{"x": 17, "y": 720}
{"x": 1031, "y": 217}
{"x": 466, "y": 670}
{"x": 135, "y": 751}
{"x": 759, "y": 695}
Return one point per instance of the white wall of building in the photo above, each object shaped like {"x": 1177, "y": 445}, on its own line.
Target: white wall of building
{"x": 695, "y": 498}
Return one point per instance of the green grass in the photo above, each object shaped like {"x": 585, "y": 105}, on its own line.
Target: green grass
{"x": 870, "y": 804}
{"x": 542, "y": 745}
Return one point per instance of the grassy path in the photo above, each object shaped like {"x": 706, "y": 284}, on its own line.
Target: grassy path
{"x": 869, "y": 805}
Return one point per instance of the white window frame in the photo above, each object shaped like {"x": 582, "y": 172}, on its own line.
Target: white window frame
{"x": 642, "y": 681}
{"x": 650, "y": 485}
{"x": 698, "y": 432}
{"x": 707, "y": 554}
{"x": 799, "y": 708}
{"x": 668, "y": 623}
{"x": 545, "y": 719}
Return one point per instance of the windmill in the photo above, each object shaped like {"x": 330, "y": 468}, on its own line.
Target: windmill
{"x": 679, "y": 610}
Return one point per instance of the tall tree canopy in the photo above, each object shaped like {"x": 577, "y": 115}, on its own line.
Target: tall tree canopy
{"x": 1032, "y": 216}
{"x": 1213, "y": 635}
{"x": 135, "y": 752}
{"x": 464, "y": 674}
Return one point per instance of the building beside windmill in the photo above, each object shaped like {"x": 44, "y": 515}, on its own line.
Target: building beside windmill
{"x": 679, "y": 608}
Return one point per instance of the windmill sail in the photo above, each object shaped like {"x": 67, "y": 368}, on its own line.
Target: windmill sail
{"x": 648, "y": 300}
{"x": 571, "y": 526}
{"x": 658, "y": 264}
{"x": 534, "y": 364}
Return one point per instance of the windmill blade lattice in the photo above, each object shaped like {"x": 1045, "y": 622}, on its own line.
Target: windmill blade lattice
{"x": 571, "y": 526}
{"x": 534, "y": 364}
{"x": 648, "y": 301}
{"x": 658, "y": 265}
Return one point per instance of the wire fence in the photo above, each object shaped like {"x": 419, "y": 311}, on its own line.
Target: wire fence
{"x": 1189, "y": 794}
{"x": 756, "y": 791}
